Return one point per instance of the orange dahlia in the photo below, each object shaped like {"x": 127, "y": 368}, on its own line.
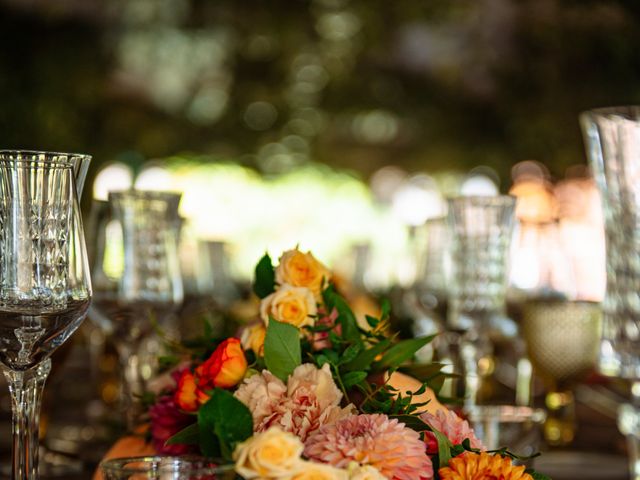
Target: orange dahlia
{"x": 482, "y": 466}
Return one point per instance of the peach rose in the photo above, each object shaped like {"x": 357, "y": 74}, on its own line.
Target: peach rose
{"x": 225, "y": 368}
{"x": 272, "y": 454}
{"x": 289, "y": 304}
{"x": 319, "y": 471}
{"x": 364, "y": 472}
{"x": 252, "y": 338}
{"x": 302, "y": 270}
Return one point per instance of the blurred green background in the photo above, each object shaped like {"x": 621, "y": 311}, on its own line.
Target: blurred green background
{"x": 356, "y": 84}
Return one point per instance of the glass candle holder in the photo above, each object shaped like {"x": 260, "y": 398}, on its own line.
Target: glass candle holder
{"x": 165, "y": 468}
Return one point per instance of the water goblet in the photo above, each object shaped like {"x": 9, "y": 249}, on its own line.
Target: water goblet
{"x": 480, "y": 230}
{"x": 137, "y": 281}
{"x": 45, "y": 289}
{"x": 612, "y": 140}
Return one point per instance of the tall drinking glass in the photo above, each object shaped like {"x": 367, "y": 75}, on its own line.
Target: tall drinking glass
{"x": 137, "y": 279}
{"x": 480, "y": 231}
{"x": 45, "y": 289}
{"x": 612, "y": 139}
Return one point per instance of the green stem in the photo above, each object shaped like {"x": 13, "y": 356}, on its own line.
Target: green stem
{"x": 340, "y": 383}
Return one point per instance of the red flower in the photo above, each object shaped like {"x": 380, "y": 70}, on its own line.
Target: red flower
{"x": 166, "y": 421}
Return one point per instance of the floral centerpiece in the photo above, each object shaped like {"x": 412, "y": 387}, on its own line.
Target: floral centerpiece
{"x": 307, "y": 391}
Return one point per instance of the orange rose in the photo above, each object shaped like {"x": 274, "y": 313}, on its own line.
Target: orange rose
{"x": 252, "y": 338}
{"x": 302, "y": 270}
{"x": 225, "y": 368}
{"x": 189, "y": 396}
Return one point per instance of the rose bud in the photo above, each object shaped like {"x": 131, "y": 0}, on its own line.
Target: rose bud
{"x": 225, "y": 368}
{"x": 188, "y": 396}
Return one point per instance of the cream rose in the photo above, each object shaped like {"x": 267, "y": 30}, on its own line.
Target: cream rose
{"x": 272, "y": 454}
{"x": 318, "y": 471}
{"x": 289, "y": 304}
{"x": 364, "y": 472}
{"x": 302, "y": 270}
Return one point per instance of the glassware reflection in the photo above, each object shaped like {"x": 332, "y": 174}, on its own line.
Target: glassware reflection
{"x": 137, "y": 281}
{"x": 480, "y": 231}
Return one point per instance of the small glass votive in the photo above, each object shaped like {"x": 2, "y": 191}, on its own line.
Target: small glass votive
{"x": 165, "y": 468}
{"x": 499, "y": 426}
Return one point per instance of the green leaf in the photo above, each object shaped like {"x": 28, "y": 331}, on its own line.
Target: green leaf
{"x": 413, "y": 422}
{"x": 537, "y": 475}
{"x": 165, "y": 362}
{"x": 265, "y": 277}
{"x": 321, "y": 360}
{"x": 282, "y": 353}
{"x": 331, "y": 355}
{"x": 403, "y": 351}
{"x": 372, "y": 321}
{"x": 385, "y": 308}
{"x": 227, "y": 418}
{"x": 346, "y": 318}
{"x": 444, "y": 448}
{"x": 350, "y": 353}
{"x": 352, "y": 378}
{"x": 187, "y": 436}
{"x": 366, "y": 357}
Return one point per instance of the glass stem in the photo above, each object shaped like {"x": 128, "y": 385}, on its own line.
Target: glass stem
{"x": 26, "y": 398}
{"x": 132, "y": 384}
{"x": 629, "y": 425}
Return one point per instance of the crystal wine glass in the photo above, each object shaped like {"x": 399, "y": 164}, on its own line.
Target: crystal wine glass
{"x": 137, "y": 279}
{"x": 612, "y": 139}
{"x": 480, "y": 230}
{"x": 45, "y": 288}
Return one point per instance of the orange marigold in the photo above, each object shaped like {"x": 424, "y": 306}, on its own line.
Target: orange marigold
{"x": 482, "y": 466}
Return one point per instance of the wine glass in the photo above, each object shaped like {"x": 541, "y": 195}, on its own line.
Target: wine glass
{"x": 612, "y": 140}
{"x": 137, "y": 281}
{"x": 45, "y": 288}
{"x": 480, "y": 230}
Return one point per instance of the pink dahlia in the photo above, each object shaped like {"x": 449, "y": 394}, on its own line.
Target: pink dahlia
{"x": 395, "y": 450}
{"x": 166, "y": 421}
{"x": 452, "y": 426}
